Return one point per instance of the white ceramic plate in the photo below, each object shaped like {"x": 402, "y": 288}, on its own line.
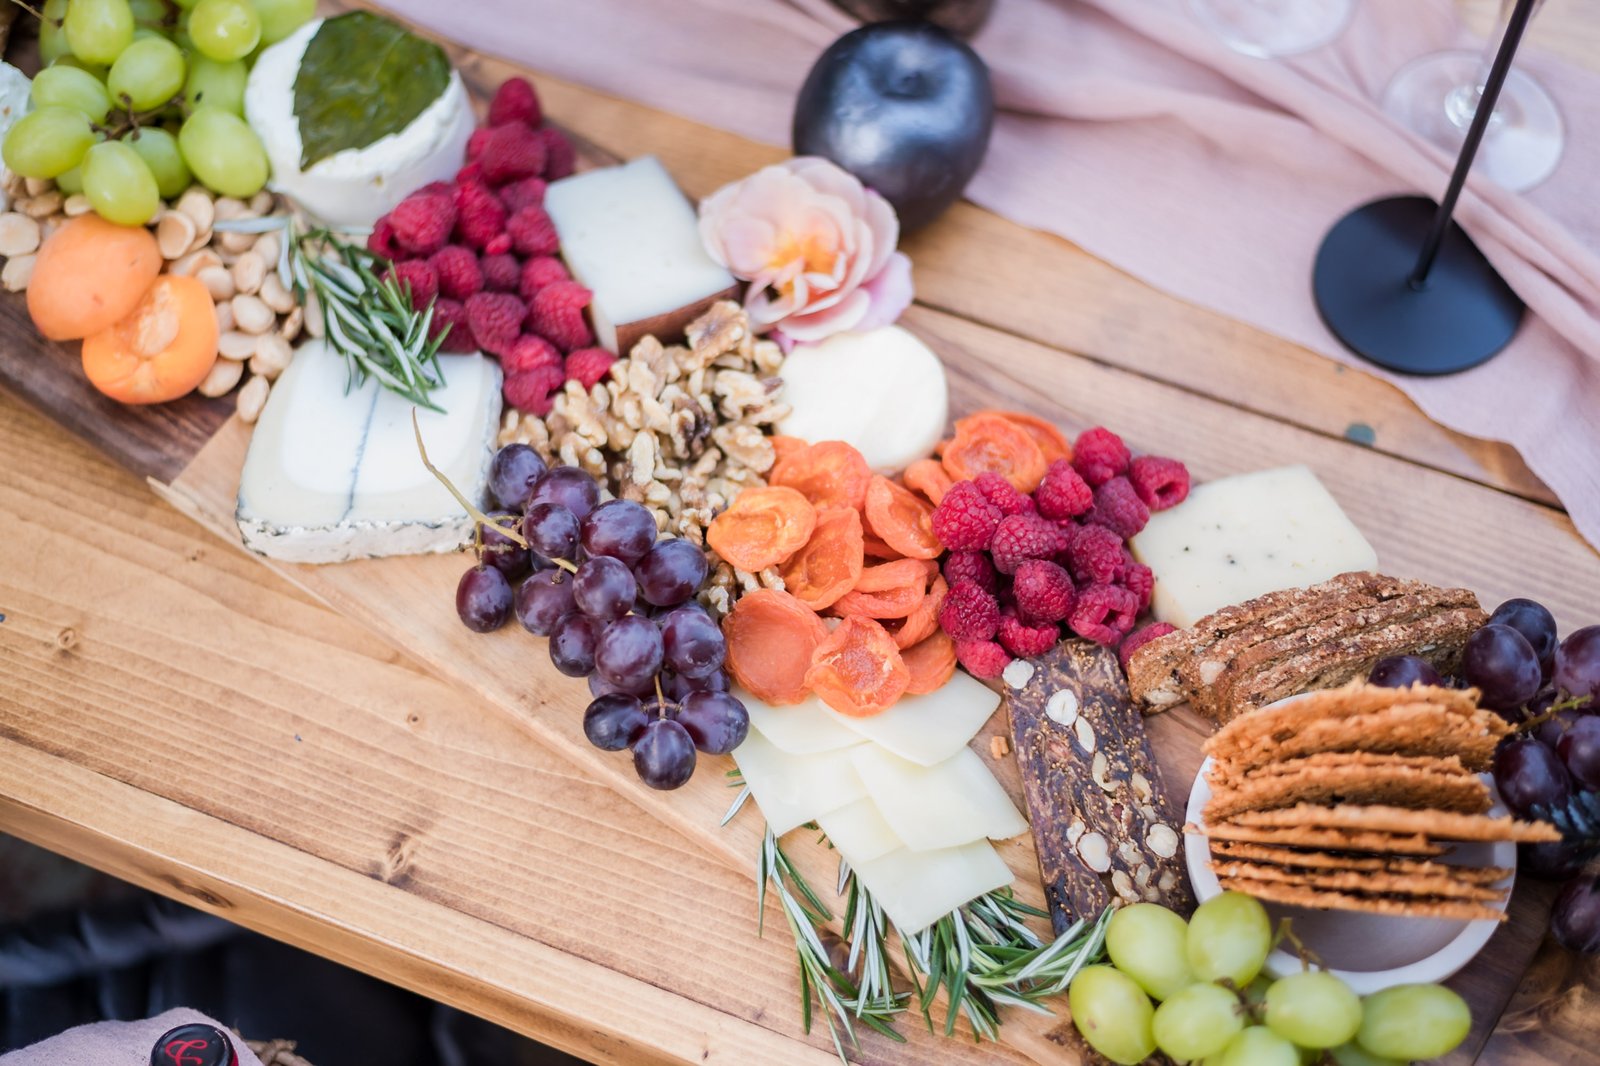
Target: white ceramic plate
{"x": 1369, "y": 951}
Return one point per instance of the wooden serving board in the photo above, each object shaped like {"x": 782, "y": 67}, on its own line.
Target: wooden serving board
{"x": 1427, "y": 515}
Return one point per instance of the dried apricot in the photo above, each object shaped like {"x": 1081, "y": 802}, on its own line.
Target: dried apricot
{"x": 784, "y": 446}
{"x": 1050, "y": 440}
{"x": 903, "y": 521}
{"x": 931, "y": 661}
{"x": 831, "y": 562}
{"x": 890, "y": 603}
{"x": 893, "y": 575}
{"x": 829, "y": 474}
{"x": 858, "y": 671}
{"x": 162, "y": 350}
{"x": 90, "y": 274}
{"x": 924, "y": 620}
{"x": 771, "y": 637}
{"x": 877, "y": 549}
{"x": 762, "y": 527}
{"x": 928, "y": 477}
{"x": 991, "y": 442}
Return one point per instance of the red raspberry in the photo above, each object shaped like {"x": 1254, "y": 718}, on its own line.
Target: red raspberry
{"x": 479, "y": 215}
{"x": 1063, "y": 493}
{"x": 529, "y": 353}
{"x": 561, "y": 159}
{"x": 556, "y": 314}
{"x": 1139, "y": 638}
{"x": 423, "y": 282}
{"x": 532, "y": 232}
{"x": 1023, "y": 536}
{"x": 1000, "y": 492}
{"x": 458, "y": 272}
{"x": 969, "y": 566}
{"x": 499, "y": 244}
{"x": 422, "y": 222}
{"x": 1043, "y": 591}
{"x": 539, "y": 272}
{"x": 525, "y": 193}
{"x": 514, "y": 101}
{"x": 510, "y": 152}
{"x": 1094, "y": 555}
{"x": 1099, "y": 455}
{"x": 381, "y": 242}
{"x": 1160, "y": 483}
{"x": 533, "y": 391}
{"x": 475, "y": 143}
{"x": 964, "y": 520}
{"x": 496, "y": 319}
{"x": 589, "y": 365}
{"x": 1140, "y": 580}
{"x": 969, "y": 612}
{"x": 501, "y": 273}
{"x": 1118, "y": 507}
{"x": 984, "y": 659}
{"x": 450, "y": 314}
{"x": 471, "y": 174}
{"x": 1024, "y": 640}
{"x": 1103, "y": 613}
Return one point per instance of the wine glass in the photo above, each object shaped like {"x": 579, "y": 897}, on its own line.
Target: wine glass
{"x": 1268, "y": 28}
{"x": 1436, "y": 96}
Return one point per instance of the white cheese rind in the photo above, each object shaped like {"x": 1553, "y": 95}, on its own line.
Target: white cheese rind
{"x": 883, "y": 391}
{"x": 940, "y": 806}
{"x": 357, "y": 186}
{"x": 1242, "y": 536}
{"x": 333, "y": 475}
{"x": 803, "y": 728}
{"x": 791, "y": 790}
{"x": 15, "y": 101}
{"x": 631, "y": 237}
{"x": 917, "y": 888}
{"x": 930, "y": 728}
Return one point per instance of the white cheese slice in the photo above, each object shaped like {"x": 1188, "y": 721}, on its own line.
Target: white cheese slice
{"x": 1242, "y": 536}
{"x": 803, "y": 728}
{"x": 631, "y": 237}
{"x": 930, "y": 728}
{"x": 917, "y": 888}
{"x": 894, "y": 409}
{"x": 356, "y": 186}
{"x": 792, "y": 790}
{"x": 333, "y": 475}
{"x": 858, "y": 832}
{"x": 940, "y": 806}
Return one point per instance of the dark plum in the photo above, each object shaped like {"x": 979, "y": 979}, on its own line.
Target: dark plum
{"x": 1502, "y": 664}
{"x": 663, "y": 756}
{"x": 614, "y": 721}
{"x": 693, "y": 642}
{"x": 1529, "y": 774}
{"x": 1402, "y": 671}
{"x": 572, "y": 644}
{"x": 552, "y": 530}
{"x": 1577, "y": 669}
{"x": 568, "y": 486}
{"x": 604, "y": 588}
{"x": 1575, "y": 921}
{"x": 716, "y": 721}
{"x": 1535, "y": 623}
{"x": 628, "y": 652}
{"x": 671, "y": 572}
{"x": 512, "y": 473}
{"x": 620, "y": 529}
{"x": 483, "y": 599}
{"x": 543, "y": 600}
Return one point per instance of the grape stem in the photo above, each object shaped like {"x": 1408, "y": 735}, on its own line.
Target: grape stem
{"x": 38, "y": 13}
{"x": 1571, "y": 703}
{"x": 478, "y": 517}
{"x": 1308, "y": 958}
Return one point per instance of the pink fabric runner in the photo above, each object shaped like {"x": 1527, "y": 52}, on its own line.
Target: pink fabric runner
{"x": 114, "y": 1043}
{"x": 1129, "y": 130}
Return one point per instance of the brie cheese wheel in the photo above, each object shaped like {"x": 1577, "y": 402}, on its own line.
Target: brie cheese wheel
{"x": 333, "y": 474}
{"x": 917, "y": 888}
{"x": 803, "y": 728}
{"x": 883, "y": 391}
{"x": 791, "y": 790}
{"x": 356, "y": 186}
{"x": 940, "y": 806}
{"x": 858, "y": 832}
{"x": 930, "y": 728}
{"x": 15, "y": 88}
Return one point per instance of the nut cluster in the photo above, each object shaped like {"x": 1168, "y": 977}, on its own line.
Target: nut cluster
{"x": 680, "y": 429}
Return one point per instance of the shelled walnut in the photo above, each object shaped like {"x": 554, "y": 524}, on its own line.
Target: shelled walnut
{"x": 680, "y": 429}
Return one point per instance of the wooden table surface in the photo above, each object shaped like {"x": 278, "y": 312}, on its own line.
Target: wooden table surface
{"x": 174, "y": 713}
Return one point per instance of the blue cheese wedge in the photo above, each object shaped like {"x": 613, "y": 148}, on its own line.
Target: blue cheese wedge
{"x": 334, "y": 475}
{"x": 1238, "y": 537}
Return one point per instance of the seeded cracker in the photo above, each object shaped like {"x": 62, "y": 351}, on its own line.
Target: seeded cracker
{"x": 1301, "y": 836}
{"x": 1363, "y": 882}
{"x": 1296, "y": 895}
{"x": 1438, "y": 825}
{"x": 1351, "y": 778}
{"x": 1298, "y": 859}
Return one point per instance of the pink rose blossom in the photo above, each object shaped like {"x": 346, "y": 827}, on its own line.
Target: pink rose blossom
{"x": 816, "y": 246}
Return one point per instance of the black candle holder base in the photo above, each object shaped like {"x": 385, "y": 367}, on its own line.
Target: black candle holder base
{"x": 1460, "y": 316}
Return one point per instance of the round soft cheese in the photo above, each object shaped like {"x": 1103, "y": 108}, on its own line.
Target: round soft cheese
{"x": 883, "y": 391}
{"x": 356, "y": 186}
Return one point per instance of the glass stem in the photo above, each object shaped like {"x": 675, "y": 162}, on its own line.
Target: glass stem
{"x": 1462, "y": 103}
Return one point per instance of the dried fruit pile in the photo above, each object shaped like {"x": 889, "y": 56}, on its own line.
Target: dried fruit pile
{"x": 850, "y": 544}
{"x": 485, "y": 247}
{"x": 1037, "y": 531}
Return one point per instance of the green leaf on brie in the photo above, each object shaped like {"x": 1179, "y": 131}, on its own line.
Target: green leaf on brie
{"x": 362, "y": 78}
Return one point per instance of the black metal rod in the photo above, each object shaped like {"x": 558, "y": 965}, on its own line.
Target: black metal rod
{"x": 1515, "y": 26}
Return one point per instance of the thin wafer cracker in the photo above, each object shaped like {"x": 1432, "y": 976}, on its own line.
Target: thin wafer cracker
{"x": 1405, "y": 729}
{"x": 1348, "y": 701}
{"x": 1229, "y": 850}
{"x": 1363, "y": 882}
{"x": 1299, "y": 896}
{"x": 1436, "y": 825}
{"x": 1360, "y": 779}
{"x": 1300, "y": 836}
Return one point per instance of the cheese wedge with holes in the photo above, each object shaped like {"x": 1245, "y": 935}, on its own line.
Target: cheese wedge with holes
{"x": 930, "y": 728}
{"x": 1238, "y": 537}
{"x": 804, "y": 728}
{"x": 941, "y": 806}
{"x": 917, "y": 888}
{"x": 792, "y": 790}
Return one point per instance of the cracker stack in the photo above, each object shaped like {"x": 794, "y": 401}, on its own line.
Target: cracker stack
{"x": 1344, "y": 799}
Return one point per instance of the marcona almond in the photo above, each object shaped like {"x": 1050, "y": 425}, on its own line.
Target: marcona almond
{"x": 227, "y": 207}
{"x": 35, "y": 186}
{"x": 248, "y": 272}
{"x": 252, "y": 398}
{"x": 275, "y": 295}
{"x": 191, "y": 264}
{"x": 272, "y": 356}
{"x": 236, "y": 345}
{"x": 175, "y": 232}
{"x": 251, "y": 315}
{"x": 19, "y": 234}
{"x": 292, "y": 323}
{"x": 268, "y": 247}
{"x": 224, "y": 375}
{"x": 313, "y": 313}
{"x": 49, "y": 226}
{"x": 43, "y": 205}
{"x": 261, "y": 203}
{"x": 197, "y": 204}
{"x": 230, "y": 242}
{"x": 17, "y": 272}
{"x": 75, "y": 205}
{"x": 224, "y": 312}
{"x": 218, "y": 282}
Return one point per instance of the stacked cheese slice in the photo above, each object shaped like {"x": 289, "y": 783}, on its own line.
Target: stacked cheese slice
{"x": 900, "y": 795}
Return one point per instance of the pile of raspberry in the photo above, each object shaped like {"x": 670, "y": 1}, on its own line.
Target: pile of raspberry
{"x": 483, "y": 250}
{"x": 1022, "y": 568}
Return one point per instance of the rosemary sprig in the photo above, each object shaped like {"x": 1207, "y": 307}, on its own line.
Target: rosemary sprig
{"x": 368, "y": 319}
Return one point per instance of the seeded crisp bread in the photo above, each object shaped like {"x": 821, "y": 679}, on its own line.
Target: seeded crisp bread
{"x": 1363, "y": 882}
{"x": 1352, "y": 778}
{"x": 1299, "y": 896}
{"x": 1436, "y": 825}
{"x": 1296, "y": 858}
{"x": 1412, "y": 844}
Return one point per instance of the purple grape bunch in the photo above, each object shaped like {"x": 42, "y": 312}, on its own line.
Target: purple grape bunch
{"x": 617, "y": 605}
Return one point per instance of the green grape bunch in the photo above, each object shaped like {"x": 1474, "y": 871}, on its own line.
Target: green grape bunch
{"x": 140, "y": 98}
